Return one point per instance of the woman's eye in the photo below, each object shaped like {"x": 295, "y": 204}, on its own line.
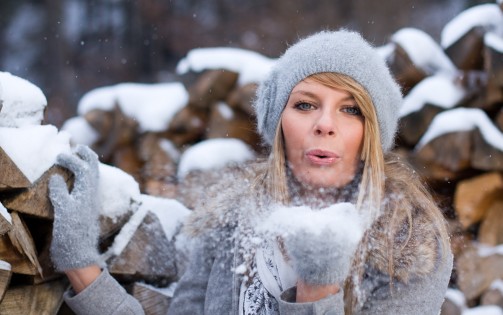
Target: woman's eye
{"x": 303, "y": 106}
{"x": 353, "y": 110}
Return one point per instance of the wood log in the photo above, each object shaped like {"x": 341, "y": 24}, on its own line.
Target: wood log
{"x": 467, "y": 52}
{"x": 485, "y": 156}
{"x": 122, "y": 132}
{"x": 499, "y": 119}
{"x": 493, "y": 65}
{"x": 451, "y": 151}
{"x": 450, "y": 308}
{"x": 149, "y": 255}
{"x": 101, "y": 121}
{"x": 153, "y": 300}
{"x": 242, "y": 98}
{"x": 22, "y": 243}
{"x": 158, "y": 156}
{"x": 459, "y": 237}
{"x": 473, "y": 197}
{"x": 19, "y": 263}
{"x": 65, "y": 310}
{"x": 435, "y": 175}
{"x": 414, "y": 125}
{"x": 5, "y": 276}
{"x": 193, "y": 188}
{"x": 41, "y": 231}
{"x": 34, "y": 299}
{"x": 126, "y": 158}
{"x": 404, "y": 70}
{"x": 160, "y": 188}
{"x": 477, "y": 269}
{"x": 11, "y": 176}
{"x": 494, "y": 295}
{"x": 228, "y": 123}
{"x": 474, "y": 82}
{"x": 111, "y": 226}
{"x": 211, "y": 86}
{"x": 5, "y": 220}
{"x": 35, "y": 200}
{"x": 44, "y": 258}
{"x": 490, "y": 231}
{"x": 187, "y": 126}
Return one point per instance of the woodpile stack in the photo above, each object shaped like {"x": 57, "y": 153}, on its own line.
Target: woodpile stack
{"x": 138, "y": 232}
{"x": 217, "y": 107}
{"x": 137, "y": 238}
{"x": 451, "y": 131}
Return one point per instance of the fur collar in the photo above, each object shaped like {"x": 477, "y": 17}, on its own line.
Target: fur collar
{"x": 414, "y": 245}
{"x": 228, "y": 200}
{"x": 230, "y": 203}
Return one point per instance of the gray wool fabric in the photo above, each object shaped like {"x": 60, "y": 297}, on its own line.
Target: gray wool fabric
{"x": 320, "y": 243}
{"x": 76, "y": 226}
{"x": 320, "y": 259}
{"x": 210, "y": 285}
{"x": 342, "y": 52}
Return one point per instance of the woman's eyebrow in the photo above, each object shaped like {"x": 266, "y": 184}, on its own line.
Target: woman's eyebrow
{"x": 303, "y": 92}
{"x": 313, "y": 95}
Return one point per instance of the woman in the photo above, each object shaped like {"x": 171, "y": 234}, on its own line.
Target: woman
{"x": 329, "y": 111}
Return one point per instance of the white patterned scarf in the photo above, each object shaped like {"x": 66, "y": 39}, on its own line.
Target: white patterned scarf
{"x": 273, "y": 276}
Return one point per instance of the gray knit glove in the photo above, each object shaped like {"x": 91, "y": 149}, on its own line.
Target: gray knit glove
{"x": 76, "y": 227}
{"x": 320, "y": 243}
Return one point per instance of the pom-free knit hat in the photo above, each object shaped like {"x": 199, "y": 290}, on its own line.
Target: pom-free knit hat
{"x": 342, "y": 52}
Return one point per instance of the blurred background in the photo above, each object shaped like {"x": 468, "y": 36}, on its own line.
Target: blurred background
{"x": 70, "y": 47}
{"x": 451, "y": 122}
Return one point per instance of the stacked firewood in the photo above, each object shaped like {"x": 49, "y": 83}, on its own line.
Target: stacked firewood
{"x": 451, "y": 131}
{"x": 138, "y": 233}
{"x": 139, "y": 230}
{"x": 217, "y": 107}
{"x": 138, "y": 239}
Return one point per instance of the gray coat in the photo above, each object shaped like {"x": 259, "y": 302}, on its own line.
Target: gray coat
{"x": 209, "y": 285}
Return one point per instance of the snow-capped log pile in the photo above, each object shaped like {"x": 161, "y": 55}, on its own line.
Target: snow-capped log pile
{"x": 138, "y": 232}
{"x": 451, "y": 131}
{"x": 144, "y": 128}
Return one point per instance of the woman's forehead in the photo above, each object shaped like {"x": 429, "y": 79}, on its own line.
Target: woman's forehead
{"x": 311, "y": 87}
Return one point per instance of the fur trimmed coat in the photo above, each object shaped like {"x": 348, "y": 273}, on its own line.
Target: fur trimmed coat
{"x": 222, "y": 230}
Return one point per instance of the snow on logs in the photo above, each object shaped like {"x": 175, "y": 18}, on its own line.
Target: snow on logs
{"x": 451, "y": 130}
{"x": 28, "y": 151}
{"x": 145, "y": 134}
{"x": 462, "y": 139}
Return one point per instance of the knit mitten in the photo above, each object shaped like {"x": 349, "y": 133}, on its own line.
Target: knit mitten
{"x": 76, "y": 226}
{"x": 320, "y": 243}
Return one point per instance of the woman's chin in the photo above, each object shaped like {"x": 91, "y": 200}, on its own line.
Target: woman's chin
{"x": 324, "y": 181}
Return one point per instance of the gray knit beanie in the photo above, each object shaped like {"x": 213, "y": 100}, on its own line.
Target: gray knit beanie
{"x": 342, "y": 52}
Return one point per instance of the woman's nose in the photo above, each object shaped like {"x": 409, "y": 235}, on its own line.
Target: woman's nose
{"x": 325, "y": 125}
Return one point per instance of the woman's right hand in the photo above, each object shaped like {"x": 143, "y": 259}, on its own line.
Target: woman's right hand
{"x": 319, "y": 243}
{"x": 312, "y": 292}
{"x": 76, "y": 227}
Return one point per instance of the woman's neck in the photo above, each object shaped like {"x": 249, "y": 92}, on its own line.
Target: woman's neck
{"x": 321, "y": 197}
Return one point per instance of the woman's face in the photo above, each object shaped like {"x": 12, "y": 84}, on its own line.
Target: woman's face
{"x": 323, "y": 131}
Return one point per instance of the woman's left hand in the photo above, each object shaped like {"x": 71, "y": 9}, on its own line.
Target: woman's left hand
{"x": 76, "y": 227}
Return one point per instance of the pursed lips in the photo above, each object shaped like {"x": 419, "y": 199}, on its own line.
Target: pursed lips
{"x": 322, "y": 157}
